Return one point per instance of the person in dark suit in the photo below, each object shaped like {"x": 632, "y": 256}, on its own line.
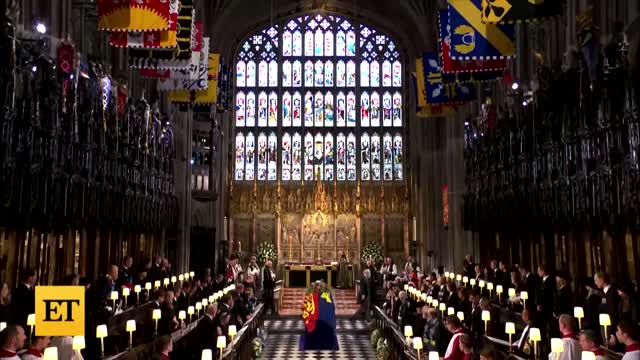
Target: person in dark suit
{"x": 268, "y": 284}
{"x": 564, "y": 302}
{"x": 546, "y": 294}
{"x": 23, "y": 299}
{"x": 495, "y": 274}
{"x": 452, "y": 299}
{"x": 182, "y": 303}
{"x": 404, "y": 315}
{"x": 105, "y": 285}
{"x": 206, "y": 329}
{"x": 155, "y": 273}
{"x": 531, "y": 285}
{"x": 126, "y": 273}
{"x": 592, "y": 305}
{"x": 364, "y": 295}
{"x": 610, "y": 302}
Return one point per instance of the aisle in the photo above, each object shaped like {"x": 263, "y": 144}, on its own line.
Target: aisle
{"x": 283, "y": 334}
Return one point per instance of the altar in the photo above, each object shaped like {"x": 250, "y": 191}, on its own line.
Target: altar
{"x": 303, "y": 275}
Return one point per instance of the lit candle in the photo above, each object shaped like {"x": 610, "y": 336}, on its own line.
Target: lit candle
{"x": 225, "y": 227}
{"x": 415, "y": 229}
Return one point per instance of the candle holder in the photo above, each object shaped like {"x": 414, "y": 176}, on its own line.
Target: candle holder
{"x": 131, "y": 327}
{"x": 137, "y": 289}
{"x": 101, "y": 333}
{"x": 534, "y": 336}
{"x": 557, "y": 347}
{"x": 408, "y": 333}
{"x": 190, "y": 311}
{"x": 233, "y": 331}
{"x": 486, "y": 316}
{"x": 524, "y": 295}
{"x": 578, "y": 313}
{"x": 31, "y": 321}
{"x": 605, "y": 322}
{"x": 417, "y": 345}
{"x": 221, "y": 344}
{"x": 157, "y": 314}
{"x": 510, "y": 329}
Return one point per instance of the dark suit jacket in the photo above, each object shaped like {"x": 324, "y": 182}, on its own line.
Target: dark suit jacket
{"x": 365, "y": 290}
{"x": 267, "y": 281}
{"x": 405, "y": 314}
{"x": 546, "y": 296}
{"x": 207, "y": 333}
{"x": 610, "y": 304}
{"x": 23, "y": 303}
{"x": 155, "y": 273}
{"x": 182, "y": 303}
{"x": 453, "y": 301}
{"x": 531, "y": 284}
{"x": 564, "y": 302}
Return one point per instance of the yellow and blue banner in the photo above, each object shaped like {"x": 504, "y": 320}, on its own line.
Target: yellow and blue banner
{"x": 516, "y": 11}
{"x": 439, "y": 88}
{"x": 482, "y": 70}
{"x": 472, "y": 39}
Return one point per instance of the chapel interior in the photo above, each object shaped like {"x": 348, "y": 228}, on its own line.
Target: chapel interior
{"x": 321, "y": 137}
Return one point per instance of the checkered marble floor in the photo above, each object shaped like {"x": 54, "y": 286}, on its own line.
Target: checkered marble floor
{"x": 284, "y": 334}
{"x": 295, "y": 324}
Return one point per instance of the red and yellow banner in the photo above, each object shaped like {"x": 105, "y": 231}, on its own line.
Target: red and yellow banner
{"x": 310, "y": 311}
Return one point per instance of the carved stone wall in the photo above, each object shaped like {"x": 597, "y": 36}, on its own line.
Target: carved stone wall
{"x": 316, "y": 221}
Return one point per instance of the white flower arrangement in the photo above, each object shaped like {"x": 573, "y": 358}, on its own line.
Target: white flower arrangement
{"x": 266, "y": 250}
{"x": 372, "y": 251}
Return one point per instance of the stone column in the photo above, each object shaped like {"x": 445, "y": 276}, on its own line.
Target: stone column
{"x": 183, "y": 122}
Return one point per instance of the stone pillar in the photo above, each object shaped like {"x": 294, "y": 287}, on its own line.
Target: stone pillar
{"x": 183, "y": 122}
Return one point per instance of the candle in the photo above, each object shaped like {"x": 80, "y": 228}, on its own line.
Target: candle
{"x": 415, "y": 229}
{"x": 224, "y": 234}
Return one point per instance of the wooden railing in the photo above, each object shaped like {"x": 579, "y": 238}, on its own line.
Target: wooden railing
{"x": 397, "y": 342}
{"x": 185, "y": 342}
{"x": 505, "y": 315}
{"x": 242, "y": 346}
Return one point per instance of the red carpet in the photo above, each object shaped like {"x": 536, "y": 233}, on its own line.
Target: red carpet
{"x": 292, "y": 301}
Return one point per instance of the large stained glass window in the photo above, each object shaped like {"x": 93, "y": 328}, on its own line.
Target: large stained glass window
{"x": 318, "y": 97}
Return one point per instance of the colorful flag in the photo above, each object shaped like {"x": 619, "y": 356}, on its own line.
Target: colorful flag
{"x": 510, "y": 11}
{"x": 201, "y": 97}
{"x": 133, "y": 15}
{"x": 439, "y": 91}
{"x": 493, "y": 67}
{"x": 158, "y": 39}
{"x": 187, "y": 34}
{"x": 472, "y": 39}
{"x": 310, "y": 310}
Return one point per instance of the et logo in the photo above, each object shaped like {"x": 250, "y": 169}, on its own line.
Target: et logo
{"x": 59, "y": 310}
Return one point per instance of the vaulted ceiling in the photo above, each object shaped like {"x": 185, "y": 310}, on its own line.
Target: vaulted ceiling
{"x": 410, "y": 22}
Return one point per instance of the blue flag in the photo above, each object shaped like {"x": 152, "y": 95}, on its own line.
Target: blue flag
{"x": 442, "y": 88}
{"x": 327, "y": 310}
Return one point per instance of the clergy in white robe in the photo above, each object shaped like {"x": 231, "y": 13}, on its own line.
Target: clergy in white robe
{"x": 570, "y": 342}
{"x": 13, "y": 341}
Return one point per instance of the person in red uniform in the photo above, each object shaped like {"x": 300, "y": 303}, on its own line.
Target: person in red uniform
{"x": 12, "y": 339}
{"x": 453, "y": 350}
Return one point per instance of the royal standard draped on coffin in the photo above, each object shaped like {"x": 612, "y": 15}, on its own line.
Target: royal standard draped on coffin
{"x": 133, "y": 15}
{"x": 510, "y": 11}
{"x": 491, "y": 69}
{"x": 472, "y": 39}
